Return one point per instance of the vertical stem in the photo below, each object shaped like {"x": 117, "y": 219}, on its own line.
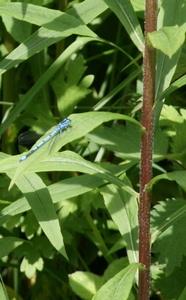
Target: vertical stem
{"x": 146, "y": 151}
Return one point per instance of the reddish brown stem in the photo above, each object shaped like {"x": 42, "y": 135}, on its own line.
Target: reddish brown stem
{"x": 146, "y": 152}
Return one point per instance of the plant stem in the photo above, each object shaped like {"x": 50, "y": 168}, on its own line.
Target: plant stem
{"x": 146, "y": 151}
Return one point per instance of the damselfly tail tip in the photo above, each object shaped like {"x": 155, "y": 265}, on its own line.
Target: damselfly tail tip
{"x": 22, "y": 158}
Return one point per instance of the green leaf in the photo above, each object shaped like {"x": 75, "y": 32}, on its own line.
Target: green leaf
{"x": 118, "y": 287}
{"x": 183, "y": 295}
{"x": 19, "y": 30}
{"x": 139, "y": 5}
{"x": 29, "y": 225}
{"x": 178, "y": 176}
{"x": 70, "y": 161}
{"x": 30, "y": 266}
{"x": 125, "y": 12}
{"x": 173, "y": 87}
{"x": 170, "y": 117}
{"x": 3, "y": 292}
{"x": 40, "y": 201}
{"x": 169, "y": 16}
{"x": 48, "y": 18}
{"x": 120, "y": 244}
{"x": 85, "y": 291}
{"x": 110, "y": 138}
{"x": 181, "y": 66}
{"x": 171, "y": 243}
{"x": 176, "y": 280}
{"x": 178, "y": 144}
{"x": 68, "y": 88}
{"x": 123, "y": 209}
{"x": 164, "y": 215}
{"x": 38, "y": 41}
{"x": 88, "y": 10}
{"x": 7, "y": 244}
{"x": 167, "y": 39}
{"x": 160, "y": 145}
{"x": 79, "y": 185}
{"x": 114, "y": 267}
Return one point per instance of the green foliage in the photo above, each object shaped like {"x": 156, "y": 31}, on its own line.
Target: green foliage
{"x": 168, "y": 39}
{"x": 119, "y": 286}
{"x": 69, "y": 219}
{"x": 3, "y": 292}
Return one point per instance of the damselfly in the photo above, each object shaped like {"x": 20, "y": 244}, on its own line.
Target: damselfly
{"x": 60, "y": 127}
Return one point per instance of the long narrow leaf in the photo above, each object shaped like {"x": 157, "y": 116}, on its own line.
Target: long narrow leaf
{"x": 3, "y": 292}
{"x": 78, "y": 186}
{"x": 169, "y": 15}
{"x": 118, "y": 287}
{"x": 47, "y": 18}
{"x": 40, "y": 201}
{"x": 125, "y": 12}
{"x": 70, "y": 161}
{"x": 123, "y": 209}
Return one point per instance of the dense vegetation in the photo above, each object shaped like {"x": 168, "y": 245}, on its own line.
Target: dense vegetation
{"x": 69, "y": 212}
